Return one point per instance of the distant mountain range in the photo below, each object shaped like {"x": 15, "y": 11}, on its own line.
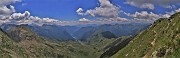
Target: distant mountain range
{"x": 117, "y": 29}
{"x": 82, "y": 32}
{"x": 46, "y": 31}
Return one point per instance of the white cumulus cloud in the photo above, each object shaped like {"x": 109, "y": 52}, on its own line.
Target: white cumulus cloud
{"x": 20, "y": 16}
{"x": 106, "y": 9}
{"x": 80, "y": 11}
{"x": 6, "y": 11}
{"x": 83, "y": 20}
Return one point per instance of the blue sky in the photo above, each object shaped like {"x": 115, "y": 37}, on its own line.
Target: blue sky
{"x": 66, "y": 9}
{"x": 57, "y": 9}
{"x": 99, "y": 11}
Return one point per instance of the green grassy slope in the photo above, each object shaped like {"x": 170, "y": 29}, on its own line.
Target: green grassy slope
{"x": 21, "y": 42}
{"x": 103, "y": 45}
{"x": 161, "y": 39}
{"x": 115, "y": 46}
{"x": 8, "y": 48}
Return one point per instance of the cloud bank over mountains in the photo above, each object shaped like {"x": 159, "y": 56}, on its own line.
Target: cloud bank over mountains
{"x": 105, "y": 13}
{"x": 150, "y": 4}
{"x": 141, "y": 3}
{"x": 144, "y": 15}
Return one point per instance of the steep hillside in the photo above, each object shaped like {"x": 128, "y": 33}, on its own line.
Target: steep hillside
{"x": 161, "y": 39}
{"x": 8, "y": 48}
{"x": 115, "y": 46}
{"x": 103, "y": 41}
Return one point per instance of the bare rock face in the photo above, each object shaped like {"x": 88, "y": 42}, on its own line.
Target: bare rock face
{"x": 20, "y": 33}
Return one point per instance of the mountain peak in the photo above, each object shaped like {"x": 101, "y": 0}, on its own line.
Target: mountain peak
{"x": 108, "y": 34}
